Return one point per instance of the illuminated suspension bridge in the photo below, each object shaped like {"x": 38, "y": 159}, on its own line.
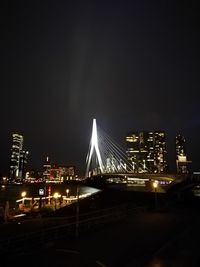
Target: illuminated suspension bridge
{"x": 107, "y": 160}
{"x": 105, "y": 155}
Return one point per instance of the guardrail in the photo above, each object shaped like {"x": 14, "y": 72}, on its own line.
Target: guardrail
{"x": 84, "y": 223}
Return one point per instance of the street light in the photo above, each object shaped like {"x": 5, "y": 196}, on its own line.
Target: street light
{"x": 77, "y": 211}
{"x": 155, "y": 185}
{"x": 67, "y": 191}
{"x": 56, "y": 195}
{"x": 23, "y": 194}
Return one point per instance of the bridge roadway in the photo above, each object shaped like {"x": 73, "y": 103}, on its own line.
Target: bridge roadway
{"x": 174, "y": 181}
{"x": 172, "y": 176}
{"x": 151, "y": 176}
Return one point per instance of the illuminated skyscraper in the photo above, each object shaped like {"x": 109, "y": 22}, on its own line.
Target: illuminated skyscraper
{"x": 22, "y": 164}
{"x": 17, "y": 145}
{"x": 133, "y": 150}
{"x": 181, "y": 156}
{"x": 160, "y": 152}
{"x": 150, "y": 154}
{"x": 147, "y": 151}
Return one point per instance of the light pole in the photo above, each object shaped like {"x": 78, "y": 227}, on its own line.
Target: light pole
{"x": 56, "y": 195}
{"x": 23, "y": 194}
{"x": 67, "y": 191}
{"x": 155, "y": 185}
{"x": 77, "y": 212}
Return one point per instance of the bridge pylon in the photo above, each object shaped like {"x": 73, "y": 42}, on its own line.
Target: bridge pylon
{"x": 94, "y": 147}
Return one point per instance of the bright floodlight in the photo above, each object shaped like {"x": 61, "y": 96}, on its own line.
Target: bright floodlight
{"x": 56, "y": 195}
{"x": 23, "y": 194}
{"x": 155, "y": 184}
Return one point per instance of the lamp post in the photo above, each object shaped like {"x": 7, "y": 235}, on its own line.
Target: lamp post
{"x": 56, "y": 195}
{"x": 67, "y": 191}
{"x": 77, "y": 212}
{"x": 23, "y": 194}
{"x": 155, "y": 185}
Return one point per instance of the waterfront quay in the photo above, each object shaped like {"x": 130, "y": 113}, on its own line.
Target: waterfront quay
{"x": 33, "y": 198}
{"x": 111, "y": 228}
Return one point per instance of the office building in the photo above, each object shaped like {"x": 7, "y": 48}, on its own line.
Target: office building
{"x": 57, "y": 173}
{"x": 46, "y": 169}
{"x": 23, "y": 163}
{"x": 18, "y": 159}
{"x": 146, "y": 151}
{"x": 133, "y": 150}
{"x": 61, "y": 173}
{"x": 160, "y": 152}
{"x": 181, "y": 156}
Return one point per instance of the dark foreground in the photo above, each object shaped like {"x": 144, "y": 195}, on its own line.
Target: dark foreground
{"x": 166, "y": 237}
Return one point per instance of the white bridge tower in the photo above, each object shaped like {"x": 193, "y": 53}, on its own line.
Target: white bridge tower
{"x": 94, "y": 146}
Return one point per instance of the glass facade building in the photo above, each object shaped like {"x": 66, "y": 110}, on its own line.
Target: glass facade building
{"x": 146, "y": 151}
{"x": 18, "y": 159}
{"x": 181, "y": 156}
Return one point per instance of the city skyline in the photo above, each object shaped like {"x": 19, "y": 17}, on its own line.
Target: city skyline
{"x": 145, "y": 145}
{"x": 131, "y": 65}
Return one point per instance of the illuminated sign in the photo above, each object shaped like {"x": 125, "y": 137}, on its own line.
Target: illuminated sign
{"x": 41, "y": 192}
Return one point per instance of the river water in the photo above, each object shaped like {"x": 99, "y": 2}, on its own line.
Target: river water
{"x": 13, "y": 192}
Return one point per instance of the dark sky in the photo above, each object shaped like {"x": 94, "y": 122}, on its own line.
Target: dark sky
{"x": 133, "y": 65}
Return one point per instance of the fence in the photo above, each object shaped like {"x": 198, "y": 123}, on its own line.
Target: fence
{"x": 72, "y": 227}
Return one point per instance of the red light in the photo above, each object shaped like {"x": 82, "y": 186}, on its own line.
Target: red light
{"x": 49, "y": 189}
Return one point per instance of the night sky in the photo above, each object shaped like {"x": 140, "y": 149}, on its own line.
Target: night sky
{"x": 133, "y": 65}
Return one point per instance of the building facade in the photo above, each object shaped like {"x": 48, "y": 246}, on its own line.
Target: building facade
{"x": 56, "y": 173}
{"x": 46, "y": 169}
{"x": 146, "y": 151}
{"x": 23, "y": 163}
{"x": 160, "y": 152}
{"x": 18, "y": 159}
{"x": 62, "y": 173}
{"x": 181, "y": 156}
